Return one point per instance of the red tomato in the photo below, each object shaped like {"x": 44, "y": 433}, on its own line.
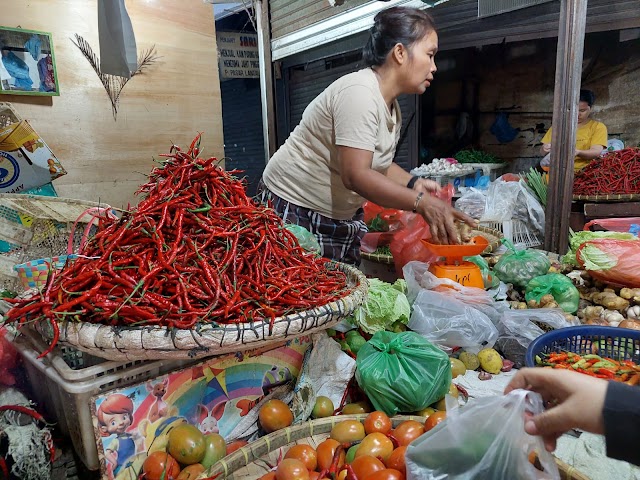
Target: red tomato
{"x": 274, "y": 415}
{"x": 235, "y": 445}
{"x": 292, "y": 469}
{"x": 306, "y": 454}
{"x": 160, "y": 465}
{"x": 396, "y": 460}
{"x": 377, "y": 445}
{"x": 325, "y": 452}
{"x": 366, "y": 465}
{"x": 377, "y": 422}
{"x": 191, "y": 472}
{"x": 386, "y": 474}
{"x": 434, "y": 419}
{"x": 407, "y": 431}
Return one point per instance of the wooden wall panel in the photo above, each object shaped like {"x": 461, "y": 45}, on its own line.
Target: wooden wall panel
{"x": 177, "y": 97}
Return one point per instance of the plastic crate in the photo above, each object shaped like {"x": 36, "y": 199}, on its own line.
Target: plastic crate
{"x": 516, "y": 231}
{"x": 491, "y": 170}
{"x": 64, "y": 381}
{"x": 613, "y": 342}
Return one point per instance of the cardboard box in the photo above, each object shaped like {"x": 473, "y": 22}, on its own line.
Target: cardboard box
{"x": 25, "y": 159}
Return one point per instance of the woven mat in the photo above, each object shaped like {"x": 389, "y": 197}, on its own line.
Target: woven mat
{"x": 626, "y": 197}
{"x": 492, "y": 236}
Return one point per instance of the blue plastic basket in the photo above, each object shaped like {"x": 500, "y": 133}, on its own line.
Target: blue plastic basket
{"x": 613, "y": 342}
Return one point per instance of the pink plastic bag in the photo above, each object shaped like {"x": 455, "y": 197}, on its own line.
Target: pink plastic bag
{"x": 614, "y": 224}
{"x": 623, "y": 254}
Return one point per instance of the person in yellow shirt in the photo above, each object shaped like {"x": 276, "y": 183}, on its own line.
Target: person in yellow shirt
{"x": 591, "y": 136}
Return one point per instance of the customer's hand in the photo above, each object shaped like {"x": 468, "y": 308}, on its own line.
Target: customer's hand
{"x": 574, "y": 400}
{"x": 441, "y": 219}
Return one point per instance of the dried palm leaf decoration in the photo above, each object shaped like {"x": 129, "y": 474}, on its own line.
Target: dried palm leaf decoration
{"x": 114, "y": 84}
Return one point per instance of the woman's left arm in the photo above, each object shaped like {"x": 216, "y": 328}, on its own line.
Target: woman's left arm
{"x": 400, "y": 176}
{"x": 593, "y": 152}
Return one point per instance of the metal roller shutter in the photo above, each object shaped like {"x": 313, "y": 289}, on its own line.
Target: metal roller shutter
{"x": 242, "y": 127}
{"x": 306, "y": 82}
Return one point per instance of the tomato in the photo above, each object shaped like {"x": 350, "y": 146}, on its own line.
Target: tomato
{"x": 235, "y": 445}
{"x": 407, "y": 431}
{"x": 191, "y": 472}
{"x": 268, "y": 476}
{"x": 358, "y": 407}
{"x": 434, "y": 420}
{"x": 322, "y": 408}
{"x": 457, "y": 367}
{"x": 306, "y": 454}
{"x": 214, "y": 449}
{"x": 386, "y": 474}
{"x": 351, "y": 453}
{"x": 292, "y": 469}
{"x": 366, "y": 465}
{"x": 160, "y": 465}
{"x": 377, "y": 422}
{"x": 274, "y": 415}
{"x": 377, "y": 445}
{"x": 396, "y": 460}
{"x": 348, "y": 431}
{"x": 325, "y": 452}
{"x": 186, "y": 444}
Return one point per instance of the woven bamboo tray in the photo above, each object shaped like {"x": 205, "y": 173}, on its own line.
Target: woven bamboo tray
{"x": 493, "y": 237}
{"x": 250, "y": 461}
{"x": 160, "y": 343}
{"x": 626, "y": 197}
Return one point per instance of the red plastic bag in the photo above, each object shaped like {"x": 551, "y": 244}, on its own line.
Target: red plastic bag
{"x": 614, "y": 224}
{"x": 624, "y": 258}
{"x": 406, "y": 245}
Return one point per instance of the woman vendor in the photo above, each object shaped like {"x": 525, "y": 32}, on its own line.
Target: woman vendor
{"x": 591, "y": 136}
{"x": 342, "y": 151}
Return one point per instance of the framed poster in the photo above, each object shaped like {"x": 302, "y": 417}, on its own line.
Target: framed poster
{"x": 27, "y": 65}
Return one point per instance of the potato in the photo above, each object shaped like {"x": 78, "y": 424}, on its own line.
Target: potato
{"x": 490, "y": 360}
{"x": 470, "y": 360}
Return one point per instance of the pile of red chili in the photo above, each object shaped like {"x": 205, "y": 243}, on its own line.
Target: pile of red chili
{"x": 615, "y": 173}
{"x": 196, "y": 250}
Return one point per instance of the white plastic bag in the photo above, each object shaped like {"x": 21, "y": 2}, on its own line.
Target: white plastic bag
{"x": 518, "y": 324}
{"x": 448, "y": 322}
{"x": 484, "y": 439}
{"x": 473, "y": 202}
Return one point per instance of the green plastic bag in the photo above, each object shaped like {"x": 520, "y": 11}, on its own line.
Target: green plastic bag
{"x": 520, "y": 266}
{"x": 306, "y": 239}
{"x": 489, "y": 279}
{"x": 559, "y": 286}
{"x": 402, "y": 372}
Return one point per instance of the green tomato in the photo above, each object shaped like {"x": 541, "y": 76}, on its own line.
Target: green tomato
{"x": 351, "y": 454}
{"x": 356, "y": 342}
{"x": 215, "y": 449}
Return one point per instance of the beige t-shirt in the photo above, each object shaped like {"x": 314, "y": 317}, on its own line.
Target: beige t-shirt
{"x": 351, "y": 112}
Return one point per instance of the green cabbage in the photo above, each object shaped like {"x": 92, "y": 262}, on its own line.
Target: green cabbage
{"x": 578, "y": 238}
{"x": 385, "y": 305}
{"x": 596, "y": 259}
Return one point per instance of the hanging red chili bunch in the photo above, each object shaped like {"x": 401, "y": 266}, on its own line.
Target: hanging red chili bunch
{"x": 616, "y": 173}
{"x": 196, "y": 250}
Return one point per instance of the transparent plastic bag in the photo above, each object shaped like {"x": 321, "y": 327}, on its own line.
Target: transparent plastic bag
{"x": 489, "y": 279}
{"x": 402, "y": 372}
{"x": 451, "y": 323}
{"x": 306, "y": 239}
{"x": 557, "y": 285}
{"x": 520, "y": 266}
{"x": 485, "y": 439}
{"x": 473, "y": 203}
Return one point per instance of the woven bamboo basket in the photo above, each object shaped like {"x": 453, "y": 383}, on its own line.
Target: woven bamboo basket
{"x": 252, "y": 461}
{"x": 492, "y": 236}
{"x": 160, "y": 343}
{"x": 612, "y": 198}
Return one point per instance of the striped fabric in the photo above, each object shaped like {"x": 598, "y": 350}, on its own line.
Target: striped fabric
{"x": 339, "y": 239}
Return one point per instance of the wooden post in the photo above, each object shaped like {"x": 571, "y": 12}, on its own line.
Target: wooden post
{"x": 266, "y": 78}
{"x": 573, "y": 19}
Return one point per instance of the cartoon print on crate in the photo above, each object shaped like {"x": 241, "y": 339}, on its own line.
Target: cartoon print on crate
{"x": 160, "y": 407}
{"x": 207, "y": 422}
{"x": 115, "y": 415}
